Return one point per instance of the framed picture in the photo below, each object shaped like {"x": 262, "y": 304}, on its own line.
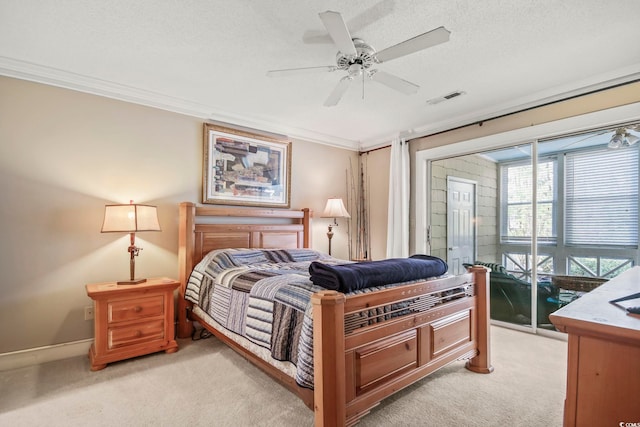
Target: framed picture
{"x": 242, "y": 168}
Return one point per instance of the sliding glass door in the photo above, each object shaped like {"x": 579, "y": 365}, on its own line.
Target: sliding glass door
{"x": 527, "y": 218}
{"x": 552, "y": 218}
{"x": 510, "y": 294}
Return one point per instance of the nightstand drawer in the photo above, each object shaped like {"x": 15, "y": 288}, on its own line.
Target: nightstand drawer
{"x": 136, "y": 334}
{"x": 136, "y": 308}
{"x": 132, "y": 320}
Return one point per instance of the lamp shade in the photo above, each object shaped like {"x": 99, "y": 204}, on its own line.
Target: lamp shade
{"x": 335, "y": 209}
{"x": 130, "y": 218}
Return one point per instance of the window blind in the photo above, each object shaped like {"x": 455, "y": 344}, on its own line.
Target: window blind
{"x": 517, "y": 201}
{"x": 601, "y": 197}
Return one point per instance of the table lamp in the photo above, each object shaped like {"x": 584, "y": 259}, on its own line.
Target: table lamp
{"x": 131, "y": 218}
{"x": 334, "y": 209}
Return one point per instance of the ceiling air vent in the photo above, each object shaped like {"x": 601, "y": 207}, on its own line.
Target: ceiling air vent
{"x": 438, "y": 100}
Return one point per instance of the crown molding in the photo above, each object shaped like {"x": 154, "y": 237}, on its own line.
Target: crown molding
{"x": 64, "y": 79}
{"x": 55, "y": 77}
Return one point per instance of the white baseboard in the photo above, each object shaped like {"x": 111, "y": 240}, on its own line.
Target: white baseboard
{"x": 49, "y": 353}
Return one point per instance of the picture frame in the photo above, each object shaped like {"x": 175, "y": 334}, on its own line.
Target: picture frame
{"x": 245, "y": 169}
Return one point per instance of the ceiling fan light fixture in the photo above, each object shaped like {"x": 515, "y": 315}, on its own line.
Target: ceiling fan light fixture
{"x": 615, "y": 142}
{"x": 622, "y": 138}
{"x": 355, "y": 70}
{"x": 632, "y": 139}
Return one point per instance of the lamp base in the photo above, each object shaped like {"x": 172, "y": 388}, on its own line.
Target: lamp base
{"x": 131, "y": 282}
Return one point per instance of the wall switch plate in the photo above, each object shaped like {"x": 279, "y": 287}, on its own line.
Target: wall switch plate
{"x": 88, "y": 312}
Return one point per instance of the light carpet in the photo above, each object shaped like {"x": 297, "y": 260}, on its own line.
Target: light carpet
{"x": 207, "y": 384}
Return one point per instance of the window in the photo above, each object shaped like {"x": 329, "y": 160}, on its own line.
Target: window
{"x": 588, "y": 208}
{"x": 517, "y": 192}
{"x": 602, "y": 198}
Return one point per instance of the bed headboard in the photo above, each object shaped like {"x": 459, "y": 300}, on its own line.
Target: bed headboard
{"x": 199, "y": 233}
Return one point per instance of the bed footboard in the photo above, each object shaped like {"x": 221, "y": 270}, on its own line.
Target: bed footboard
{"x": 369, "y": 346}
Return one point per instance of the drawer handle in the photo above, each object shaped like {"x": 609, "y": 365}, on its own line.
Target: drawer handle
{"x": 137, "y": 309}
{"x": 138, "y": 334}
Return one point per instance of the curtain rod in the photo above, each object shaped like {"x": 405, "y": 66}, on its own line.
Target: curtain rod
{"x": 481, "y": 122}
{"x": 375, "y": 149}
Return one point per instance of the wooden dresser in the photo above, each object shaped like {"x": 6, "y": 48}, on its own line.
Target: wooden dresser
{"x": 603, "y": 372}
{"x": 132, "y": 320}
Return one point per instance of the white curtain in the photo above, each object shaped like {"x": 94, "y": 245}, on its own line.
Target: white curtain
{"x": 398, "y": 220}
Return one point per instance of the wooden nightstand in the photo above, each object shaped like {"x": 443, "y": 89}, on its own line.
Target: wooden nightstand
{"x": 131, "y": 320}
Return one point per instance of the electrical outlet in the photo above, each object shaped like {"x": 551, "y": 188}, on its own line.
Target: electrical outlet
{"x": 88, "y": 312}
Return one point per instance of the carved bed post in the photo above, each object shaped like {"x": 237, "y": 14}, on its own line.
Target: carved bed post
{"x": 482, "y": 362}
{"x": 329, "y": 359}
{"x": 306, "y": 223}
{"x": 186, "y": 242}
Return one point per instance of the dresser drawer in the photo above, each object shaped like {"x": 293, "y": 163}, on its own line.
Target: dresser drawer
{"x": 133, "y": 309}
{"x": 136, "y": 334}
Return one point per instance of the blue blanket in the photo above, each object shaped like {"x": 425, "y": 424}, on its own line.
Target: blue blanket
{"x": 360, "y": 275}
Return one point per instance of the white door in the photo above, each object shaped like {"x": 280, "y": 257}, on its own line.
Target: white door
{"x": 461, "y": 230}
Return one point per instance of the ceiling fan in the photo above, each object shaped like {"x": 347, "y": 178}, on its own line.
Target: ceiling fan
{"x": 618, "y": 137}
{"x": 357, "y": 58}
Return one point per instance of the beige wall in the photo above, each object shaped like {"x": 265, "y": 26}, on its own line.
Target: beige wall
{"x": 63, "y": 156}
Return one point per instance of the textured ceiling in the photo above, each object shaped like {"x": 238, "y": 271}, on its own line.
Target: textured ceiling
{"x": 210, "y": 58}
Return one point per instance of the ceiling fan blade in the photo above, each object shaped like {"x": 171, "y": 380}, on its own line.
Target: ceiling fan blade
{"x": 423, "y": 41}
{"x": 395, "y": 82}
{"x": 371, "y": 15}
{"x": 338, "y": 31}
{"x": 357, "y": 23}
{"x": 304, "y": 70}
{"x": 338, "y": 91}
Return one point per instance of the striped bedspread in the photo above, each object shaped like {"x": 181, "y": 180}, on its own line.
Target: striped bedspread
{"x": 263, "y": 295}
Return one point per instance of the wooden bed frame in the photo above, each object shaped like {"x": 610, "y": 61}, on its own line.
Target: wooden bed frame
{"x": 356, "y": 369}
